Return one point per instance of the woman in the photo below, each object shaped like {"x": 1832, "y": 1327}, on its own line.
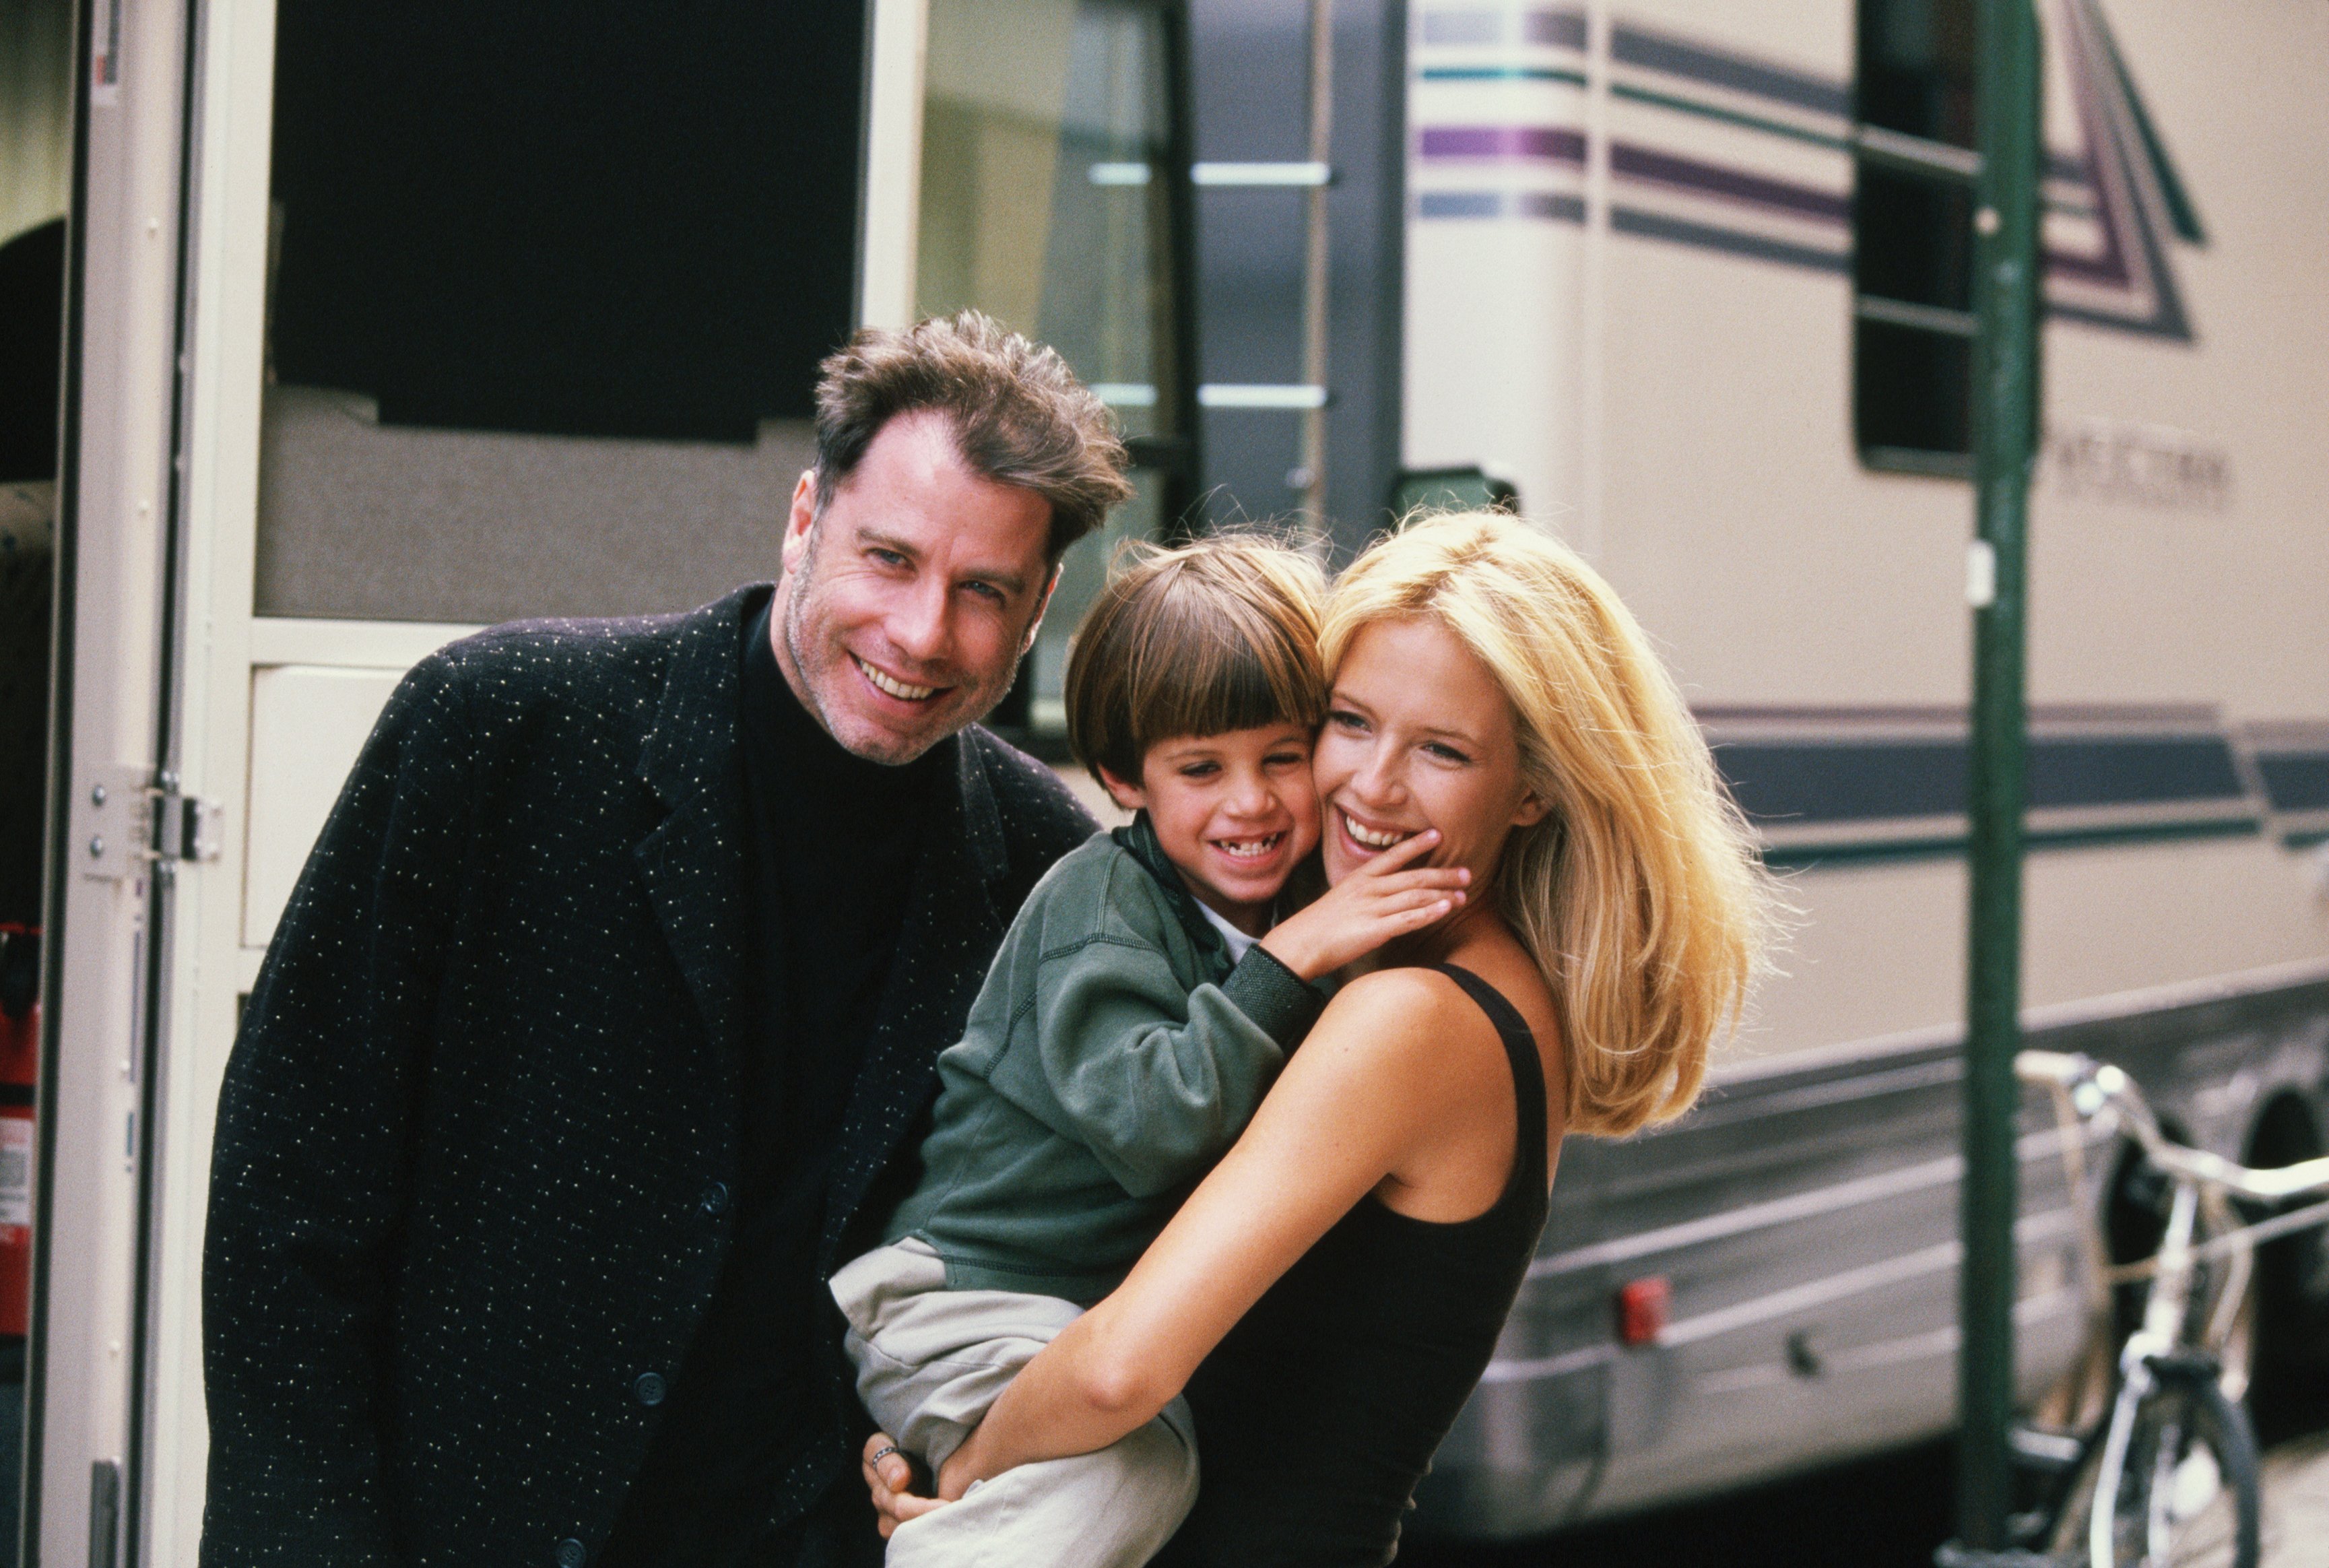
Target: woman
{"x": 1335, "y": 1285}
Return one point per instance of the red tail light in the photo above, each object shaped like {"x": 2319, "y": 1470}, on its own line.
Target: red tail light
{"x": 1642, "y": 1307}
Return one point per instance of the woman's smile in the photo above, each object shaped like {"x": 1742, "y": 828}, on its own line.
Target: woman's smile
{"x": 1369, "y": 838}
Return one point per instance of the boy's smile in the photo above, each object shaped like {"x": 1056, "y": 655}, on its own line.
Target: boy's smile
{"x": 1234, "y": 813}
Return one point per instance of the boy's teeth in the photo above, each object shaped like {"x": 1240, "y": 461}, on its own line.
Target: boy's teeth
{"x": 1248, "y": 848}
{"x": 1370, "y": 839}
{"x": 895, "y": 688}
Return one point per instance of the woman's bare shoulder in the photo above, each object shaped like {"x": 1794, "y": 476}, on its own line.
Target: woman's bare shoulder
{"x": 1405, "y": 1017}
{"x": 1397, "y": 1000}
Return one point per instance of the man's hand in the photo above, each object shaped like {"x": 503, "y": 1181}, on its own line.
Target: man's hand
{"x": 890, "y": 1478}
{"x": 1376, "y": 902}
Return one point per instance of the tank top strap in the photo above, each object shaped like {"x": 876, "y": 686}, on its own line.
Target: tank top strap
{"x": 1528, "y": 1073}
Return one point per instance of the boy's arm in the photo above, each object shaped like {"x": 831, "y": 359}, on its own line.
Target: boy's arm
{"x": 1157, "y": 1080}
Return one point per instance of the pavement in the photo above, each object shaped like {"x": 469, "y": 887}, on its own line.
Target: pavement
{"x": 2296, "y": 1504}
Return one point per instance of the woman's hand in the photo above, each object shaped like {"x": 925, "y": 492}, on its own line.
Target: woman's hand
{"x": 891, "y": 1479}
{"x": 1373, "y": 905}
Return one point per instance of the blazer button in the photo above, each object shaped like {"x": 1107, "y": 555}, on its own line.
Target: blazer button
{"x": 649, "y": 1387}
{"x": 715, "y": 1198}
{"x": 569, "y": 1554}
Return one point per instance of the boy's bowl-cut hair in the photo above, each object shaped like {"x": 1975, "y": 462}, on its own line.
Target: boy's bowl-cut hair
{"x": 1218, "y": 635}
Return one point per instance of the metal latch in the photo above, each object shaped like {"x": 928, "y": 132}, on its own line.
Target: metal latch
{"x": 185, "y": 826}
{"x": 124, "y": 818}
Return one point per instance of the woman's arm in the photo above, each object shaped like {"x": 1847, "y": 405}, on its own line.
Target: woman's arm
{"x": 1372, "y": 1082}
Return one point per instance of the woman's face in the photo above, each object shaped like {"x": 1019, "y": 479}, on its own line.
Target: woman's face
{"x": 1419, "y": 735}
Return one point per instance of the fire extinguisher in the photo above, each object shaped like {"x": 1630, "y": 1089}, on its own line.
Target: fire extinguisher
{"x": 20, "y": 1056}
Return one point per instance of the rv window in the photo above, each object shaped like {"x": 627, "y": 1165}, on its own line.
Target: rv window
{"x": 1051, "y": 183}
{"x": 546, "y": 300}
{"x": 1912, "y": 236}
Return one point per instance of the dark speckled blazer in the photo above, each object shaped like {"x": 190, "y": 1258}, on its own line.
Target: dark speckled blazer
{"x": 463, "y": 1196}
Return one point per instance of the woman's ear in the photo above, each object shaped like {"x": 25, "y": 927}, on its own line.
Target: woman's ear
{"x": 1533, "y": 809}
{"x": 1131, "y": 797}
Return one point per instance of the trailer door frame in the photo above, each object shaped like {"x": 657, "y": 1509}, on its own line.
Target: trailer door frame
{"x": 114, "y": 812}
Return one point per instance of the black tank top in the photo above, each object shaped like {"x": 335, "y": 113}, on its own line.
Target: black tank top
{"x": 1320, "y": 1411}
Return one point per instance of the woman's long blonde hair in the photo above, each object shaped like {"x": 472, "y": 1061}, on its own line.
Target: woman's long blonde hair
{"x": 1640, "y": 896}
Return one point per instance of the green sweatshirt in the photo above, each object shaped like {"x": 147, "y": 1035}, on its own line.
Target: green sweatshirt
{"x": 1112, "y": 1056}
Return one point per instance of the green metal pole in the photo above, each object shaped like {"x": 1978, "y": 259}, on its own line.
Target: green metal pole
{"x": 2005, "y": 425}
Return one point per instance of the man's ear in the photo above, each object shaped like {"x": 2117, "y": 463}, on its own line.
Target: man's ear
{"x": 801, "y": 521}
{"x": 1131, "y": 797}
{"x": 1042, "y": 606}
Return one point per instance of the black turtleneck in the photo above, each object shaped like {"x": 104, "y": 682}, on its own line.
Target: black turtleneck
{"x": 833, "y": 842}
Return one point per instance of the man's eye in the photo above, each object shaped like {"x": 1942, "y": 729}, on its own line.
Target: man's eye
{"x": 987, "y": 592}
{"x": 886, "y": 557}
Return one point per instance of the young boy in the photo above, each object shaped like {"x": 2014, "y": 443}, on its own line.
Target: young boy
{"x": 1132, "y": 1021}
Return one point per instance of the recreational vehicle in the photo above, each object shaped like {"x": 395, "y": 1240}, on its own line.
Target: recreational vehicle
{"x": 384, "y": 323}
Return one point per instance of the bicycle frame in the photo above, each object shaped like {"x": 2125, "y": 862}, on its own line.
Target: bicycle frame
{"x": 2086, "y": 1091}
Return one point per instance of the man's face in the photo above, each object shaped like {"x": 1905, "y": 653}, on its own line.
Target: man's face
{"x": 904, "y": 610}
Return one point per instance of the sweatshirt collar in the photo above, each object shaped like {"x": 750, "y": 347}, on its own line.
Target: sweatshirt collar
{"x": 1137, "y": 840}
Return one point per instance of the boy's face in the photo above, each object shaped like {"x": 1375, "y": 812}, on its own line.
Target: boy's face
{"x": 1235, "y": 813}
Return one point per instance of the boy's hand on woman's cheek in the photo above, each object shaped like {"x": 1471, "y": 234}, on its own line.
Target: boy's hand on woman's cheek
{"x": 1384, "y": 899}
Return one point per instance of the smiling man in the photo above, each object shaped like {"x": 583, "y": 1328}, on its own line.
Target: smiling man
{"x": 610, "y": 996}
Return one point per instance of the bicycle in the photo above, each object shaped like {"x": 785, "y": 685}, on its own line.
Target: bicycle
{"x": 2167, "y": 1478}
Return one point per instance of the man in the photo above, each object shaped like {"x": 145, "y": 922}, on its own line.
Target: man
{"x": 611, "y": 991}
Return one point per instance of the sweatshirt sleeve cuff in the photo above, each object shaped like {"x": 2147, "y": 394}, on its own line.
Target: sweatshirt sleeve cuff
{"x": 1277, "y": 1000}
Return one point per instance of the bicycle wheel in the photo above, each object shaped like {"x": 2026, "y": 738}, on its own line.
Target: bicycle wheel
{"x": 2178, "y": 1490}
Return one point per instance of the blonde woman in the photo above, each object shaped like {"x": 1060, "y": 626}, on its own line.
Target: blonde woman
{"x": 1332, "y": 1291}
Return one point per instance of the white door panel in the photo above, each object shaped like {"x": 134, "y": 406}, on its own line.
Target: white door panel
{"x": 307, "y": 724}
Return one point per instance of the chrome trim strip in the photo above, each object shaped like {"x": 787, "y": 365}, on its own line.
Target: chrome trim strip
{"x": 1231, "y": 395}
{"x": 1251, "y": 175}
{"x": 2044, "y": 1144}
{"x": 1546, "y": 1367}
{"x": 1939, "y": 1258}
{"x": 2034, "y": 1020}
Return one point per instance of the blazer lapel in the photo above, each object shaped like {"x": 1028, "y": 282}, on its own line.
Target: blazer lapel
{"x": 693, "y": 862}
{"x": 952, "y": 928}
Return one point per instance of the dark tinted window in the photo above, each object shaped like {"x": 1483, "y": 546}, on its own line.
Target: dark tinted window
{"x": 600, "y": 218}
{"x": 1912, "y": 235}
{"x": 1916, "y": 68}
{"x": 549, "y": 288}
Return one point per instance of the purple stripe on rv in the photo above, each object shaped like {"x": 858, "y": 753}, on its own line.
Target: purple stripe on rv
{"x": 1732, "y": 184}
{"x": 1551, "y": 143}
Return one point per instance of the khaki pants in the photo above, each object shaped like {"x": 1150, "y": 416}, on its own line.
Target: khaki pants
{"x": 930, "y": 1361}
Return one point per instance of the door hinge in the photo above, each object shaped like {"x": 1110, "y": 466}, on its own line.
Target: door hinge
{"x": 125, "y": 818}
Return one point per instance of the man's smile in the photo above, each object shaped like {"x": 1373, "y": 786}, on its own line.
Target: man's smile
{"x": 892, "y": 686}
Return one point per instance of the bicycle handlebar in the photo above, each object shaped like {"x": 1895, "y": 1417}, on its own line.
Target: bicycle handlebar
{"x": 2094, "y": 1085}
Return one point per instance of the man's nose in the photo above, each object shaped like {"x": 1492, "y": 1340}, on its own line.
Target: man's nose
{"x": 920, "y": 625}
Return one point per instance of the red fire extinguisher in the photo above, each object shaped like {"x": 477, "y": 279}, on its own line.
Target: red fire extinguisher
{"x": 20, "y": 1057}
